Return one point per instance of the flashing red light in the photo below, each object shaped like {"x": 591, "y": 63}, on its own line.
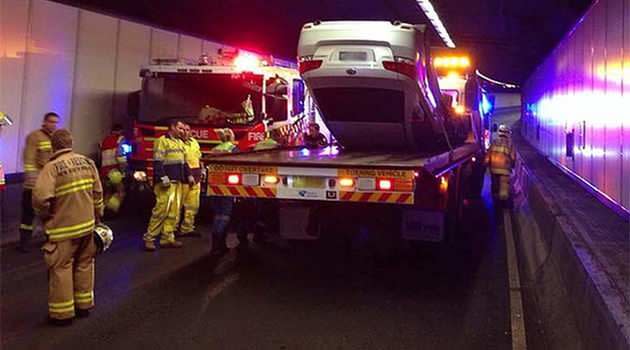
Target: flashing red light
{"x": 246, "y": 62}
{"x": 384, "y": 184}
{"x": 307, "y": 66}
{"x": 234, "y": 179}
{"x": 403, "y": 68}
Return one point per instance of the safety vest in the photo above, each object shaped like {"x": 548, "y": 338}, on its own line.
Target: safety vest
{"x": 169, "y": 159}
{"x": 193, "y": 153}
{"x": 224, "y": 147}
{"x": 193, "y": 157}
{"x": 112, "y": 156}
{"x": 501, "y": 156}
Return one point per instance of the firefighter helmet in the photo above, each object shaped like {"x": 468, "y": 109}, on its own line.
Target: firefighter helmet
{"x": 103, "y": 237}
{"x": 5, "y": 120}
{"x": 504, "y": 130}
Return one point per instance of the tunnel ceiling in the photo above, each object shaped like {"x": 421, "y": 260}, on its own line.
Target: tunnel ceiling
{"x": 509, "y": 37}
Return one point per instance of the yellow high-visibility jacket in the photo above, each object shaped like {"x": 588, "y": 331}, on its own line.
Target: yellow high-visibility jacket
{"x": 501, "y": 156}
{"x": 193, "y": 158}
{"x": 37, "y": 150}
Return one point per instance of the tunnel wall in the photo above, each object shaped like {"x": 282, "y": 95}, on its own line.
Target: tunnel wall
{"x": 78, "y": 63}
{"x": 582, "y": 91}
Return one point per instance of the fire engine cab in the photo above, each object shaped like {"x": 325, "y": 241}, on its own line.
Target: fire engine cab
{"x": 250, "y": 94}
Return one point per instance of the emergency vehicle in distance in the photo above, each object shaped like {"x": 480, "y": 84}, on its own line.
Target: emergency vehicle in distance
{"x": 247, "y": 93}
{"x": 409, "y": 150}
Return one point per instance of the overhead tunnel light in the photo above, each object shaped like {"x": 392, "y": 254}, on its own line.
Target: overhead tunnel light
{"x": 433, "y": 17}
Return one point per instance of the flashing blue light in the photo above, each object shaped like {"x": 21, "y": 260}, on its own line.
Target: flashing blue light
{"x": 486, "y": 105}
{"x": 125, "y": 148}
{"x": 305, "y": 152}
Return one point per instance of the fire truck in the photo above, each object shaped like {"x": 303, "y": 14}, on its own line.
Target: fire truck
{"x": 250, "y": 94}
{"x": 410, "y": 138}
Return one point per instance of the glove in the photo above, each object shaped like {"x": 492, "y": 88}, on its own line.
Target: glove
{"x": 191, "y": 180}
{"x": 165, "y": 181}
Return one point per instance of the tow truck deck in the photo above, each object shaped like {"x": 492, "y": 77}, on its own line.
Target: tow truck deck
{"x": 333, "y": 174}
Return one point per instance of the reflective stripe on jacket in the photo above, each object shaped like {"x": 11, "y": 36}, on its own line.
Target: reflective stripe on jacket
{"x": 169, "y": 159}
{"x": 67, "y": 194}
{"x": 37, "y": 150}
{"x": 501, "y": 156}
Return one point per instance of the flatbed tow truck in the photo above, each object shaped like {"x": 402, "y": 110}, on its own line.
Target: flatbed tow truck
{"x": 408, "y": 192}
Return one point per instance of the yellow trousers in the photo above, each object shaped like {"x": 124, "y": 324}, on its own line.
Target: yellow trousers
{"x": 165, "y": 215}
{"x": 190, "y": 195}
{"x": 70, "y": 275}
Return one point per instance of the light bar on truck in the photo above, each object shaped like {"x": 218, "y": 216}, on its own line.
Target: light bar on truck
{"x": 245, "y": 62}
{"x": 433, "y": 17}
{"x": 451, "y": 62}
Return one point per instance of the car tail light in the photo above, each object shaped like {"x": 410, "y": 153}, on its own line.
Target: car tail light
{"x": 403, "y": 66}
{"x": 384, "y": 185}
{"x": 234, "y": 179}
{"x": 346, "y": 182}
{"x": 309, "y": 65}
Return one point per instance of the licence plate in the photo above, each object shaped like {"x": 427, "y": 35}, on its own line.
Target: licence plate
{"x": 353, "y": 56}
{"x": 308, "y": 182}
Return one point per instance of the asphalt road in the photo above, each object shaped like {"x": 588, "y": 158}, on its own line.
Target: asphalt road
{"x": 313, "y": 295}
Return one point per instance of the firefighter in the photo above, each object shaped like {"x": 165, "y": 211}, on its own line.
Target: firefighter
{"x": 36, "y": 153}
{"x": 68, "y": 197}
{"x": 314, "y": 138}
{"x": 222, "y": 206}
{"x": 500, "y": 160}
{"x": 170, "y": 172}
{"x": 113, "y": 168}
{"x": 191, "y": 193}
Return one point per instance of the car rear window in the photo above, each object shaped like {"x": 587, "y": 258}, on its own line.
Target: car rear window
{"x": 367, "y": 105}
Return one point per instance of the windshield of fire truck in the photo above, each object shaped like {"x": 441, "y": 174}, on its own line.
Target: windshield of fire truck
{"x": 213, "y": 98}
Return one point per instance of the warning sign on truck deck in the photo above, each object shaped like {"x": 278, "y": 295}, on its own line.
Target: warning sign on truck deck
{"x": 220, "y": 168}
{"x": 394, "y": 174}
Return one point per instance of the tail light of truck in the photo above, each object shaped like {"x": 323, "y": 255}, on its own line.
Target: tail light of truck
{"x": 307, "y": 64}
{"x": 233, "y": 179}
{"x": 270, "y": 180}
{"x": 384, "y": 185}
{"x": 346, "y": 182}
{"x": 403, "y": 66}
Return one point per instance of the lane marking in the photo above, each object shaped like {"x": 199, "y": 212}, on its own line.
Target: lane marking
{"x": 517, "y": 319}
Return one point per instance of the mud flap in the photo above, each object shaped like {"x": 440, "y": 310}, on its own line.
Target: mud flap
{"x": 421, "y": 225}
{"x": 293, "y": 222}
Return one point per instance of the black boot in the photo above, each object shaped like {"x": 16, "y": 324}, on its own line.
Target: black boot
{"x": 243, "y": 243}
{"x": 219, "y": 247}
{"x": 25, "y": 239}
